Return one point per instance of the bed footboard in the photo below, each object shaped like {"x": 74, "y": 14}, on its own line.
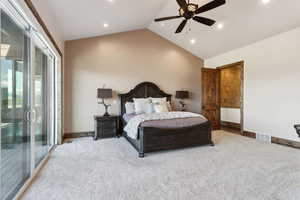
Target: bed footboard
{"x": 156, "y": 139}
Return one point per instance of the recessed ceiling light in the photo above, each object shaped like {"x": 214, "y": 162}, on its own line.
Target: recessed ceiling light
{"x": 105, "y": 25}
{"x": 265, "y": 1}
{"x": 220, "y": 26}
{"x": 192, "y": 41}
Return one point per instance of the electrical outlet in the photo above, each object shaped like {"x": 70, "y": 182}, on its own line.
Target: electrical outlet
{"x": 263, "y": 137}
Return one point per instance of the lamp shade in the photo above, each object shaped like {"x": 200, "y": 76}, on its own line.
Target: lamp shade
{"x": 104, "y": 93}
{"x": 182, "y": 94}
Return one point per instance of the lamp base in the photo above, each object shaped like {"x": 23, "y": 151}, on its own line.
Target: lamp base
{"x": 106, "y": 114}
{"x": 106, "y": 106}
{"x": 182, "y": 104}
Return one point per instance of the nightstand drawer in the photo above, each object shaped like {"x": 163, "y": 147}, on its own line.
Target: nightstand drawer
{"x": 107, "y": 124}
{"x": 106, "y": 127}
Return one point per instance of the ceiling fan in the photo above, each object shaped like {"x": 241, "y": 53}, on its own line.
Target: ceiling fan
{"x": 189, "y": 10}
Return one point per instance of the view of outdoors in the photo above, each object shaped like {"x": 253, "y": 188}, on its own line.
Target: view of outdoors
{"x": 7, "y": 85}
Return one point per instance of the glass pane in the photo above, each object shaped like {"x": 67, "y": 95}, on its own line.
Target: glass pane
{"x": 40, "y": 105}
{"x": 15, "y": 138}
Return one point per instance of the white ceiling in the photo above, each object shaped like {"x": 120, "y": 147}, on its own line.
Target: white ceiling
{"x": 245, "y": 21}
{"x": 85, "y": 18}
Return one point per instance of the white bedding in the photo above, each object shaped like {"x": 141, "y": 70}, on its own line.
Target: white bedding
{"x": 132, "y": 127}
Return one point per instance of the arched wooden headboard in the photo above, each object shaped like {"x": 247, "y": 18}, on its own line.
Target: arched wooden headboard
{"x": 142, "y": 90}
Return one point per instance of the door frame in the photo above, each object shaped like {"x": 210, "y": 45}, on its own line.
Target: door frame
{"x": 242, "y": 64}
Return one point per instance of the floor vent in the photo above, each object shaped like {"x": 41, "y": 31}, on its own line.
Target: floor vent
{"x": 263, "y": 137}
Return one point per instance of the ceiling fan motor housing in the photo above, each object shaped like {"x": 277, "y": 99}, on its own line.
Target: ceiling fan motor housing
{"x": 189, "y": 12}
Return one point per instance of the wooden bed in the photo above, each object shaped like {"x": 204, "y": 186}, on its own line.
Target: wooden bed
{"x": 154, "y": 139}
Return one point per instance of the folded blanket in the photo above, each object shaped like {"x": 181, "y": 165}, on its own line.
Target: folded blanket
{"x": 133, "y": 124}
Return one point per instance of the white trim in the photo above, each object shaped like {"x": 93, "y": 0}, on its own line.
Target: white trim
{"x": 17, "y": 12}
{"x": 51, "y": 104}
{"x": 10, "y": 9}
{"x": 31, "y": 107}
{"x": 56, "y": 103}
{"x": 0, "y": 115}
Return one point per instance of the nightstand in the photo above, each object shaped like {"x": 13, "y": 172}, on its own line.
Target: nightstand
{"x": 106, "y": 127}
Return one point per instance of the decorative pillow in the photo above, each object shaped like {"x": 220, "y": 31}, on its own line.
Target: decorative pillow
{"x": 169, "y": 106}
{"x": 161, "y": 108}
{"x": 142, "y": 105}
{"x": 149, "y": 107}
{"x": 129, "y": 107}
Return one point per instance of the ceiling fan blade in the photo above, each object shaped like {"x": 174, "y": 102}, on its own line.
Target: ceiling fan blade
{"x": 181, "y": 26}
{"x": 210, "y": 6}
{"x": 203, "y": 20}
{"x": 166, "y": 18}
{"x": 182, "y": 4}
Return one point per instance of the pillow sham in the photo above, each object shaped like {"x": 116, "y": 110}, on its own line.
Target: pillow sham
{"x": 158, "y": 100}
{"x": 161, "y": 108}
{"x": 142, "y": 105}
{"x": 129, "y": 108}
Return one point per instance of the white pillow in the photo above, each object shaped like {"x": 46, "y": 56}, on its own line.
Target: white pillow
{"x": 142, "y": 105}
{"x": 158, "y": 100}
{"x": 161, "y": 108}
{"x": 129, "y": 107}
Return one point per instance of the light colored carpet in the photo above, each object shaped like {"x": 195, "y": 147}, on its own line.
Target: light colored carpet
{"x": 236, "y": 168}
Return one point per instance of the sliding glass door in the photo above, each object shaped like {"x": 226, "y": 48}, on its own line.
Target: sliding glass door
{"x": 15, "y": 134}
{"x": 27, "y": 102}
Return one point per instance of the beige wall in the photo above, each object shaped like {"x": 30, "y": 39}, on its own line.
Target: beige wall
{"x": 121, "y": 61}
{"x": 272, "y": 71}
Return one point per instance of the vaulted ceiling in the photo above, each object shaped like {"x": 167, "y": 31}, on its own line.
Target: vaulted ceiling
{"x": 245, "y": 21}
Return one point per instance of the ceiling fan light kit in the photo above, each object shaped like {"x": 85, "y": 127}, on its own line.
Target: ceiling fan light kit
{"x": 189, "y": 10}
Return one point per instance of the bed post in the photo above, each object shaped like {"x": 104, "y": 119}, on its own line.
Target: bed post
{"x": 141, "y": 137}
{"x": 141, "y": 155}
{"x": 211, "y": 143}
